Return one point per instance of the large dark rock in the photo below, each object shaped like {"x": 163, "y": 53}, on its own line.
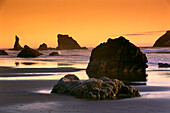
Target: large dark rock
{"x": 163, "y": 41}
{"x": 66, "y": 42}
{"x": 117, "y": 56}
{"x": 103, "y": 88}
{"x": 3, "y": 52}
{"x": 43, "y": 47}
{"x": 17, "y": 45}
{"x": 28, "y": 52}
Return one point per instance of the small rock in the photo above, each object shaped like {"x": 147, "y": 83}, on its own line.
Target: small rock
{"x": 84, "y": 48}
{"x": 3, "y": 52}
{"x": 28, "y": 52}
{"x": 43, "y": 47}
{"x": 54, "y": 54}
{"x": 163, "y": 65}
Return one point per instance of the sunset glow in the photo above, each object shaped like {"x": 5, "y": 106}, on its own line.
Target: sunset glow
{"x": 90, "y": 22}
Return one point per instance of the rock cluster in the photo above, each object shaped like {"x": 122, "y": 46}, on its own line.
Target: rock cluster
{"x": 163, "y": 41}
{"x": 28, "y": 52}
{"x": 17, "y": 45}
{"x": 99, "y": 89}
{"x": 43, "y": 47}
{"x": 116, "y": 55}
{"x": 3, "y": 52}
{"x": 66, "y": 42}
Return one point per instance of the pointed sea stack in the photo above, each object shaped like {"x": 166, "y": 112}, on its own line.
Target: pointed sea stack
{"x": 66, "y": 42}
{"x": 17, "y": 45}
{"x": 163, "y": 41}
{"x": 117, "y": 58}
{"x": 43, "y": 47}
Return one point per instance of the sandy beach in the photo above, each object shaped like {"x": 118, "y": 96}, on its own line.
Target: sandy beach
{"x": 25, "y": 88}
{"x": 24, "y": 97}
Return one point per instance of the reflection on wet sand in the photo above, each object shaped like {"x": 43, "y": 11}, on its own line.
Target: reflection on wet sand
{"x": 28, "y": 63}
{"x": 17, "y": 63}
{"x": 25, "y": 63}
{"x": 64, "y": 64}
{"x": 130, "y": 78}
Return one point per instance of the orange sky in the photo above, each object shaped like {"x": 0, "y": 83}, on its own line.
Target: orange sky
{"x": 90, "y": 22}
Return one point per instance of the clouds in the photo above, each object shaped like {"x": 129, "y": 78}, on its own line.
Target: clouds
{"x": 145, "y": 33}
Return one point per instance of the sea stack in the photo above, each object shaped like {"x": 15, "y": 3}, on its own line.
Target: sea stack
{"x": 17, "y": 45}
{"x": 66, "y": 42}
{"x": 28, "y": 52}
{"x": 116, "y": 56}
{"x": 43, "y": 47}
{"x": 163, "y": 41}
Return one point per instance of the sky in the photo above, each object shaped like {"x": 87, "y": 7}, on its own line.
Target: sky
{"x": 90, "y": 22}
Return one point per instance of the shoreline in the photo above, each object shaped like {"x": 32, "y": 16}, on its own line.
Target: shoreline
{"x": 5, "y": 70}
{"x": 18, "y": 96}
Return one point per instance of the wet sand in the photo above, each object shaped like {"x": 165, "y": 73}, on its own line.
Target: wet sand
{"x": 22, "y": 97}
{"x": 4, "y": 70}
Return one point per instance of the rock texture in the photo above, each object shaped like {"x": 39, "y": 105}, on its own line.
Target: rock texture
{"x": 17, "y": 45}
{"x": 43, "y": 47}
{"x": 116, "y": 56}
{"x": 100, "y": 89}
{"x": 163, "y": 65}
{"x": 28, "y": 52}
{"x": 54, "y": 54}
{"x": 3, "y": 52}
{"x": 66, "y": 42}
{"x": 163, "y": 41}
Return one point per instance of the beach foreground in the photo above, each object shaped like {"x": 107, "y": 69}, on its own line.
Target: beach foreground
{"x": 26, "y": 97}
{"x": 25, "y": 87}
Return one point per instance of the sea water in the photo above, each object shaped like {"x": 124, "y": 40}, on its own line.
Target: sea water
{"x": 157, "y": 77}
{"x": 79, "y": 59}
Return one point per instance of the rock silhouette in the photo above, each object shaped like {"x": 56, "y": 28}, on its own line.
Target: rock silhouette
{"x": 43, "y": 47}
{"x": 84, "y": 48}
{"x": 66, "y": 42}
{"x": 28, "y": 52}
{"x": 3, "y": 52}
{"x": 163, "y": 41}
{"x": 163, "y": 65}
{"x": 98, "y": 89}
{"x": 117, "y": 56}
{"x": 54, "y": 54}
{"x": 17, "y": 45}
